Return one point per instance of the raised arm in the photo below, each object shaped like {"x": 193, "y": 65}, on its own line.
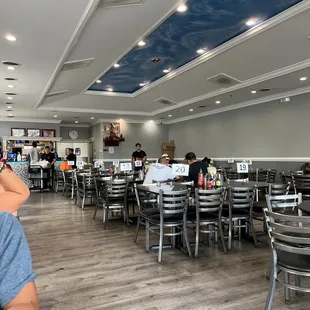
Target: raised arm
{"x": 13, "y": 193}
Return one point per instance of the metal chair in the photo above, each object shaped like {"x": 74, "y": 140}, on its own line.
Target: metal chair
{"x": 173, "y": 215}
{"x": 289, "y": 242}
{"x": 208, "y": 216}
{"x": 262, "y": 175}
{"x": 279, "y": 189}
{"x": 100, "y": 188}
{"x": 147, "y": 204}
{"x": 302, "y": 185}
{"x": 115, "y": 200}
{"x": 86, "y": 188}
{"x": 58, "y": 180}
{"x": 240, "y": 210}
{"x": 230, "y": 174}
{"x": 70, "y": 183}
{"x": 284, "y": 203}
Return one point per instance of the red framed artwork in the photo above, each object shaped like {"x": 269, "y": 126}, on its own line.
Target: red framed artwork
{"x": 48, "y": 133}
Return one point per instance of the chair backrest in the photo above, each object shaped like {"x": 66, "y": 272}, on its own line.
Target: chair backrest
{"x": 253, "y": 175}
{"x": 209, "y": 200}
{"x": 301, "y": 182}
{"x": 262, "y": 175}
{"x": 286, "y": 232}
{"x": 241, "y": 197}
{"x": 145, "y": 200}
{"x": 282, "y": 202}
{"x": 272, "y": 173}
{"x": 231, "y": 175}
{"x": 116, "y": 188}
{"x": 278, "y": 189}
{"x": 173, "y": 202}
{"x": 89, "y": 181}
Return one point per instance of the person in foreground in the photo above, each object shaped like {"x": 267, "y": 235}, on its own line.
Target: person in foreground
{"x": 17, "y": 288}
{"x": 194, "y": 167}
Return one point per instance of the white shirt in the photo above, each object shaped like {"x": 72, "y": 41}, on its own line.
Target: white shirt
{"x": 34, "y": 155}
{"x": 158, "y": 172}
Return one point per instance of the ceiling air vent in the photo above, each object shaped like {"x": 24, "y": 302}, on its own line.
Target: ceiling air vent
{"x": 116, "y": 3}
{"x": 224, "y": 80}
{"x": 56, "y": 93}
{"x": 76, "y": 64}
{"x": 165, "y": 101}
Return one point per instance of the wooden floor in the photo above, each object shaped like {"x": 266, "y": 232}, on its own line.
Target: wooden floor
{"x": 81, "y": 266}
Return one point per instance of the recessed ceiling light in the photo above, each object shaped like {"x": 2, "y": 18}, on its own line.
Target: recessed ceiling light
{"x": 304, "y": 78}
{"x": 10, "y": 37}
{"x": 169, "y": 115}
{"x": 9, "y": 107}
{"x": 182, "y": 8}
{"x": 110, "y": 89}
{"x": 201, "y": 51}
{"x": 144, "y": 83}
{"x": 166, "y": 70}
{"x": 253, "y": 91}
{"x": 11, "y": 68}
{"x": 252, "y": 22}
{"x": 217, "y": 102}
{"x": 191, "y": 110}
{"x": 116, "y": 65}
{"x": 10, "y": 114}
{"x": 92, "y": 117}
{"x": 10, "y": 98}
{"x": 76, "y": 122}
{"x": 55, "y": 116}
{"x": 98, "y": 81}
{"x": 141, "y": 84}
{"x": 141, "y": 43}
{"x": 10, "y": 86}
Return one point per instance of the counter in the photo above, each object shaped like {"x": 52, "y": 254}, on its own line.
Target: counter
{"x": 21, "y": 169}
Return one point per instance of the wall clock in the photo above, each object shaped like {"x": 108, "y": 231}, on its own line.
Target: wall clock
{"x": 73, "y": 134}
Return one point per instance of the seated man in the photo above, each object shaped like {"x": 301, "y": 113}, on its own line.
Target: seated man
{"x": 194, "y": 167}
{"x": 158, "y": 172}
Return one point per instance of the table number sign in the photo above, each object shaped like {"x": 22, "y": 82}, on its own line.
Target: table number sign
{"x": 97, "y": 164}
{"x": 125, "y": 166}
{"x": 242, "y": 167}
{"x": 70, "y": 163}
{"x": 180, "y": 170}
{"x": 80, "y": 164}
{"x": 138, "y": 163}
{"x": 116, "y": 163}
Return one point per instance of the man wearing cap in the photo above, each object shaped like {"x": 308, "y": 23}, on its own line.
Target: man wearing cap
{"x": 195, "y": 166}
{"x": 166, "y": 156}
{"x": 158, "y": 172}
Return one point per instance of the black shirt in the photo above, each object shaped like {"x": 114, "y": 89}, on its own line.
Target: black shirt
{"x": 138, "y": 155}
{"x": 72, "y": 157}
{"x": 49, "y": 157}
{"x": 194, "y": 170}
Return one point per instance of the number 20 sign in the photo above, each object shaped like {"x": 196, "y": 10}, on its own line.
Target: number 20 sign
{"x": 242, "y": 167}
{"x": 180, "y": 170}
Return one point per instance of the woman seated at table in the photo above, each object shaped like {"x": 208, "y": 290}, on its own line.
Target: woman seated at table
{"x": 158, "y": 172}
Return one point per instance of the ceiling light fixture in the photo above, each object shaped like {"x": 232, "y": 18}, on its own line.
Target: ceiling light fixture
{"x": 141, "y": 43}
{"x": 217, "y": 102}
{"x": 76, "y": 122}
{"x": 11, "y": 68}
{"x": 10, "y": 37}
{"x": 304, "y": 78}
{"x": 253, "y": 91}
{"x": 110, "y": 89}
{"x": 169, "y": 115}
{"x": 201, "y": 51}
{"x": 9, "y": 107}
{"x": 92, "y": 117}
{"x": 252, "y": 22}
{"x": 10, "y": 98}
{"x": 55, "y": 116}
{"x": 182, "y": 8}
{"x": 116, "y": 65}
{"x": 191, "y": 110}
{"x": 10, "y": 114}
{"x": 166, "y": 70}
{"x": 98, "y": 81}
{"x": 11, "y": 86}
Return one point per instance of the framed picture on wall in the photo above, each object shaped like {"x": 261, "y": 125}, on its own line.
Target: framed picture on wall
{"x": 33, "y": 132}
{"x": 18, "y": 132}
{"x": 48, "y": 133}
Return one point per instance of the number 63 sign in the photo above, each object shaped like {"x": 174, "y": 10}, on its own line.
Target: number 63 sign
{"x": 242, "y": 167}
{"x": 180, "y": 170}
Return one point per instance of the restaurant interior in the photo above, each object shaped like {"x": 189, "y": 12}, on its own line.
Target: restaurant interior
{"x": 180, "y": 169}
